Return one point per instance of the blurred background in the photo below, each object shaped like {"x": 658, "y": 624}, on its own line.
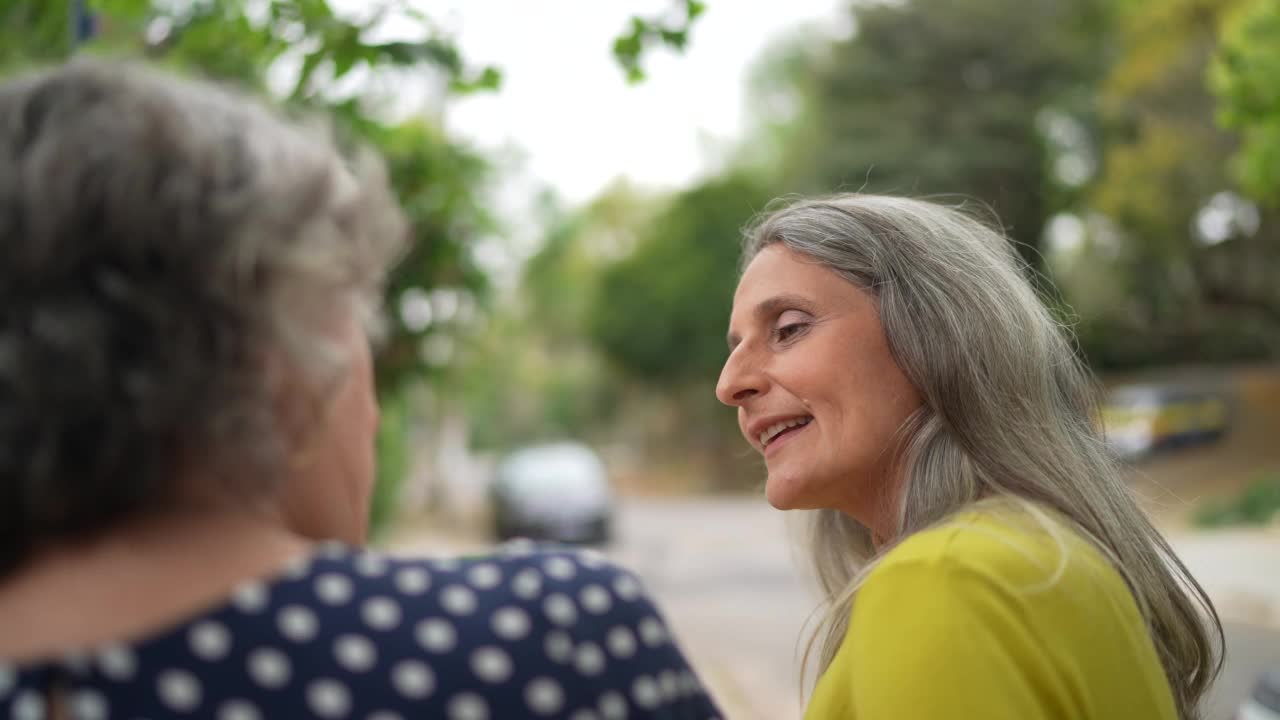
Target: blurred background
{"x": 577, "y": 174}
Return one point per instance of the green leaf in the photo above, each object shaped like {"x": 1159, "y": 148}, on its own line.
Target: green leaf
{"x": 675, "y": 38}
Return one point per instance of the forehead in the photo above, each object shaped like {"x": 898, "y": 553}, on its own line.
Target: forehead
{"x": 778, "y": 270}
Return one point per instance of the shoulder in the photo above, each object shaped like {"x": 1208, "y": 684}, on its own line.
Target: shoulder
{"x": 1008, "y": 614}
{"x": 520, "y": 633}
{"x": 1018, "y": 551}
{"x": 518, "y": 591}
{"x": 996, "y": 575}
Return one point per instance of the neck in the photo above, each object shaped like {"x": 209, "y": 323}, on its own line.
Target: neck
{"x": 137, "y": 579}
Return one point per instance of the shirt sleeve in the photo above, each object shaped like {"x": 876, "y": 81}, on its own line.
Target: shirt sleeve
{"x": 932, "y": 640}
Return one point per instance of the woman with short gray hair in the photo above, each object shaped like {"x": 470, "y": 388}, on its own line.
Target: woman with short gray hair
{"x": 979, "y": 553}
{"x": 187, "y": 420}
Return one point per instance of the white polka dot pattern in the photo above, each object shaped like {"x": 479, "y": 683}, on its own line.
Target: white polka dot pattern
{"x": 7, "y": 680}
{"x": 622, "y": 642}
{"x": 652, "y": 632}
{"x": 297, "y": 623}
{"x": 436, "y": 635}
{"x": 447, "y": 564}
{"x": 468, "y": 706}
{"x": 333, "y": 589}
{"x": 118, "y": 663}
{"x": 627, "y": 587}
{"x": 645, "y": 692}
{"x": 560, "y": 568}
{"x": 511, "y": 623}
{"x": 28, "y": 705}
{"x": 485, "y": 576}
{"x": 237, "y": 709}
{"x": 209, "y": 640}
{"x": 89, "y": 704}
{"x": 355, "y": 653}
{"x": 491, "y": 664}
{"x": 250, "y": 598}
{"x": 458, "y": 600}
{"x": 380, "y": 613}
{"x": 179, "y": 690}
{"x": 544, "y": 696}
{"x": 591, "y": 559}
{"x": 595, "y": 599}
{"x": 613, "y": 706}
{"x": 413, "y": 679}
{"x": 329, "y": 698}
{"x": 371, "y": 564}
{"x": 558, "y": 646}
{"x": 560, "y": 609}
{"x": 589, "y": 659}
{"x": 355, "y": 635}
{"x": 527, "y": 584}
{"x": 298, "y": 569}
{"x": 413, "y": 580}
{"x": 669, "y": 685}
{"x": 269, "y": 668}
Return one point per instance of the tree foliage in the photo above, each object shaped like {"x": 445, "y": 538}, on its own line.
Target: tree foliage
{"x": 947, "y": 97}
{"x": 660, "y": 313}
{"x": 1245, "y": 77}
{"x": 644, "y": 33}
{"x": 1196, "y": 290}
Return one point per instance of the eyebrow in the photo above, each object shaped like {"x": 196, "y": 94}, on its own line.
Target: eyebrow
{"x": 771, "y": 306}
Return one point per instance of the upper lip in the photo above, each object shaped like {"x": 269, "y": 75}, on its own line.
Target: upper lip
{"x": 759, "y": 425}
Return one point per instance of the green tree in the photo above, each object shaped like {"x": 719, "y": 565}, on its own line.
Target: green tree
{"x": 660, "y": 313}
{"x": 659, "y": 317}
{"x": 1245, "y": 77}
{"x": 1196, "y": 289}
{"x": 950, "y": 97}
{"x": 557, "y": 385}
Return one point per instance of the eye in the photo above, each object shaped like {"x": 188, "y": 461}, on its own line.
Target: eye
{"x": 791, "y": 324}
{"x": 788, "y": 332}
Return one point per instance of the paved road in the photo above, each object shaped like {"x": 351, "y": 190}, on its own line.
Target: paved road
{"x": 723, "y": 572}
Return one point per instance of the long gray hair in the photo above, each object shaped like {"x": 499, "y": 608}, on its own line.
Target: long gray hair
{"x": 1008, "y": 412}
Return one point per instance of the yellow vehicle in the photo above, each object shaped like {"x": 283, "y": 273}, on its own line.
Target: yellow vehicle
{"x": 1140, "y": 419}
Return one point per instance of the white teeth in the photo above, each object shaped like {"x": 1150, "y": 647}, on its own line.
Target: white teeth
{"x": 772, "y": 431}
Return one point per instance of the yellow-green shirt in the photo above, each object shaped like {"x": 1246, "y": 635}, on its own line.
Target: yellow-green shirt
{"x": 980, "y": 618}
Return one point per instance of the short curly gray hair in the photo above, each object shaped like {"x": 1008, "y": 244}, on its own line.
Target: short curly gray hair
{"x": 160, "y": 238}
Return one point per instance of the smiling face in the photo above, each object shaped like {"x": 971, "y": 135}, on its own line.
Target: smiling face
{"x": 817, "y": 390}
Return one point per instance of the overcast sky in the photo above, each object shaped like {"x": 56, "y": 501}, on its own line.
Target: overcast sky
{"x": 564, "y": 100}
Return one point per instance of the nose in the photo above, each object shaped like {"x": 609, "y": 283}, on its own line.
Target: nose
{"x": 740, "y": 380}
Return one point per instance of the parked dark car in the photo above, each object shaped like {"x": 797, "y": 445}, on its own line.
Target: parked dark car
{"x": 558, "y": 492}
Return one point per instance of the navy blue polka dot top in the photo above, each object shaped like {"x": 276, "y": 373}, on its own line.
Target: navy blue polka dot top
{"x": 358, "y": 634}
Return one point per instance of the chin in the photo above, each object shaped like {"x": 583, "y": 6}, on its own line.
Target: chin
{"x": 784, "y": 494}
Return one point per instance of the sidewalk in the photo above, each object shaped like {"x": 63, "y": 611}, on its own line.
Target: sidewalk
{"x": 1240, "y": 569}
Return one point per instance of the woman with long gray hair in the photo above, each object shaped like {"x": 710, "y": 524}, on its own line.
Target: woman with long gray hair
{"x": 979, "y": 553}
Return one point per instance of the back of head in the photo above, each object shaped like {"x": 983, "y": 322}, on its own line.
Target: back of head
{"x": 1008, "y": 406}
{"x": 160, "y": 237}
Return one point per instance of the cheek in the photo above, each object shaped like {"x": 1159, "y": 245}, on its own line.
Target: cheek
{"x": 865, "y": 406}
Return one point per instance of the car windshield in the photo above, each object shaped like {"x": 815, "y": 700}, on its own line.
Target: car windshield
{"x": 556, "y": 469}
